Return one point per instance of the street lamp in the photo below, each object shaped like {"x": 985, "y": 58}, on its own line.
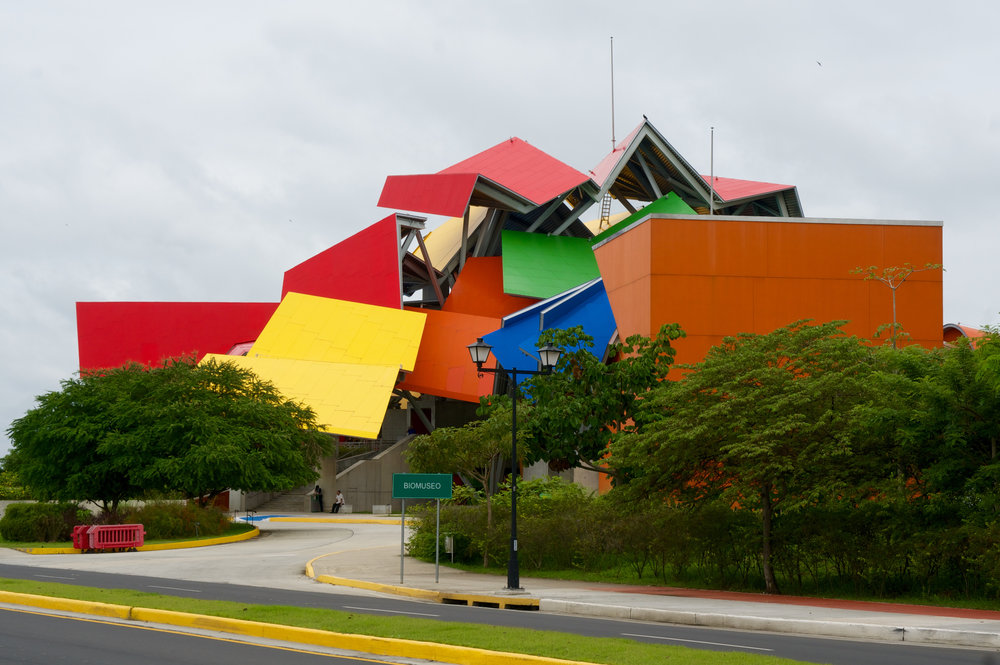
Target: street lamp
{"x": 549, "y": 356}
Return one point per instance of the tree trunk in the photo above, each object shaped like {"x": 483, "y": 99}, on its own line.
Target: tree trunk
{"x": 489, "y": 527}
{"x": 767, "y": 517}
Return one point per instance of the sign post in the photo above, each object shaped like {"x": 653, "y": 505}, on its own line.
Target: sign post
{"x": 421, "y": 486}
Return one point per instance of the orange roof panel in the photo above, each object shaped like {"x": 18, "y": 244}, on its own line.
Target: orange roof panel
{"x": 479, "y": 290}
{"x": 443, "y": 366}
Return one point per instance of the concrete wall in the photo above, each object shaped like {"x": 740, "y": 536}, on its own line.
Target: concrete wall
{"x": 369, "y": 482}
{"x": 588, "y": 480}
{"x": 394, "y": 425}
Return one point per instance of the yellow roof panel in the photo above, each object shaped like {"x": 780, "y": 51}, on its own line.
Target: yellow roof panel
{"x": 348, "y": 399}
{"x": 339, "y": 331}
{"x": 444, "y": 242}
{"x": 595, "y": 227}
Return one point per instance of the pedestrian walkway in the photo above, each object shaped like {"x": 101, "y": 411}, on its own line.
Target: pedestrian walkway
{"x": 377, "y": 568}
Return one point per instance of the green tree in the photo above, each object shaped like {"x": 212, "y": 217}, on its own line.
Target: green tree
{"x": 765, "y": 422}
{"x": 475, "y": 451}
{"x": 951, "y": 434}
{"x": 55, "y": 446}
{"x": 989, "y": 349}
{"x": 893, "y": 277}
{"x": 11, "y": 487}
{"x": 182, "y": 427}
{"x": 579, "y": 407}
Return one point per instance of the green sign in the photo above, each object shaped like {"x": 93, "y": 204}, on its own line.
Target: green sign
{"x": 421, "y": 486}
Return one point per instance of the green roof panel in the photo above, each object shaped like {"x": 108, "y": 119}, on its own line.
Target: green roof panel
{"x": 671, "y": 204}
{"x": 541, "y": 266}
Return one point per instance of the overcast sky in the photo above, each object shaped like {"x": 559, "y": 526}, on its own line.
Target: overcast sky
{"x": 195, "y": 151}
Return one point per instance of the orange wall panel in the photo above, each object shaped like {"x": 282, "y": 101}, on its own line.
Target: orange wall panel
{"x": 628, "y": 256}
{"x": 905, "y": 243}
{"x": 631, "y": 307}
{"x": 692, "y": 247}
{"x": 713, "y": 304}
{"x": 719, "y": 276}
{"x": 819, "y": 251}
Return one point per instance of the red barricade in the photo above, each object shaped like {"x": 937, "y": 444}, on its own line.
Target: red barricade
{"x": 80, "y": 537}
{"x": 114, "y": 537}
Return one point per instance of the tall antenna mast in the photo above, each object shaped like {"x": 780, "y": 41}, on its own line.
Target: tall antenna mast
{"x": 612, "y": 93}
{"x": 711, "y": 174}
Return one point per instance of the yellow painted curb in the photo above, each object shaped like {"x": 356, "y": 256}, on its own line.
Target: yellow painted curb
{"x": 47, "y": 550}
{"x": 341, "y": 520}
{"x": 385, "y": 646}
{"x": 65, "y": 604}
{"x": 486, "y": 600}
{"x": 153, "y": 548}
{"x": 222, "y": 540}
{"x": 409, "y": 592}
{"x": 472, "y": 599}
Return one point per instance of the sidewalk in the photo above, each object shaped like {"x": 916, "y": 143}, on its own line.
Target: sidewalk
{"x": 378, "y": 569}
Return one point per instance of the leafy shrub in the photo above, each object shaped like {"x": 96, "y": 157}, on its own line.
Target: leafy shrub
{"x": 555, "y": 522}
{"x": 39, "y": 522}
{"x": 175, "y": 519}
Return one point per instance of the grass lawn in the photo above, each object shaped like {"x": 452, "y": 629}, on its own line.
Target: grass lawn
{"x": 518, "y": 640}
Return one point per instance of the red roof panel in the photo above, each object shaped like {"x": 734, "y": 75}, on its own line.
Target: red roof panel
{"x": 363, "y": 268}
{"x": 601, "y": 172}
{"x": 111, "y": 334}
{"x": 436, "y": 194}
{"x": 731, "y": 189}
{"x": 523, "y": 169}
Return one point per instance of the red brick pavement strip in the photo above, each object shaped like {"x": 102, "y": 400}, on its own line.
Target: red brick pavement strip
{"x": 871, "y": 606}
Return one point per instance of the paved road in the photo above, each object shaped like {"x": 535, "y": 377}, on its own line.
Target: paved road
{"x": 27, "y": 639}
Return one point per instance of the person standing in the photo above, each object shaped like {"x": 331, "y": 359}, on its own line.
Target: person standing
{"x": 338, "y": 501}
{"x": 318, "y": 493}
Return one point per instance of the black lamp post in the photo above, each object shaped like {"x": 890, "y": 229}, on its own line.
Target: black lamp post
{"x": 549, "y": 356}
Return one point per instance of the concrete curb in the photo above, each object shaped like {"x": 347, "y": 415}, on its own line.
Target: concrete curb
{"x": 853, "y": 630}
{"x": 384, "y": 646}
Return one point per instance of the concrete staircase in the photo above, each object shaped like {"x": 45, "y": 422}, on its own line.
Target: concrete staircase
{"x": 292, "y": 501}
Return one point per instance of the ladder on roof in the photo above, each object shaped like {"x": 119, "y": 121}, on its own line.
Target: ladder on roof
{"x": 605, "y": 212}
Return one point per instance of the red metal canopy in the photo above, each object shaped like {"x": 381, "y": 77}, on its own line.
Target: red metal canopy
{"x": 733, "y": 189}
{"x": 512, "y": 175}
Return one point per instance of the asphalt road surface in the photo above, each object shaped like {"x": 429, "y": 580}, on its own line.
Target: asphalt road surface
{"x": 32, "y": 638}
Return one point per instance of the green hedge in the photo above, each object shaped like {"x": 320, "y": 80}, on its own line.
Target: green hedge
{"x": 165, "y": 520}
{"x": 39, "y": 522}
{"x": 877, "y": 548}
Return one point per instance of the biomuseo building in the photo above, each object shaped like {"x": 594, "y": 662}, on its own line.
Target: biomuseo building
{"x": 372, "y": 331}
